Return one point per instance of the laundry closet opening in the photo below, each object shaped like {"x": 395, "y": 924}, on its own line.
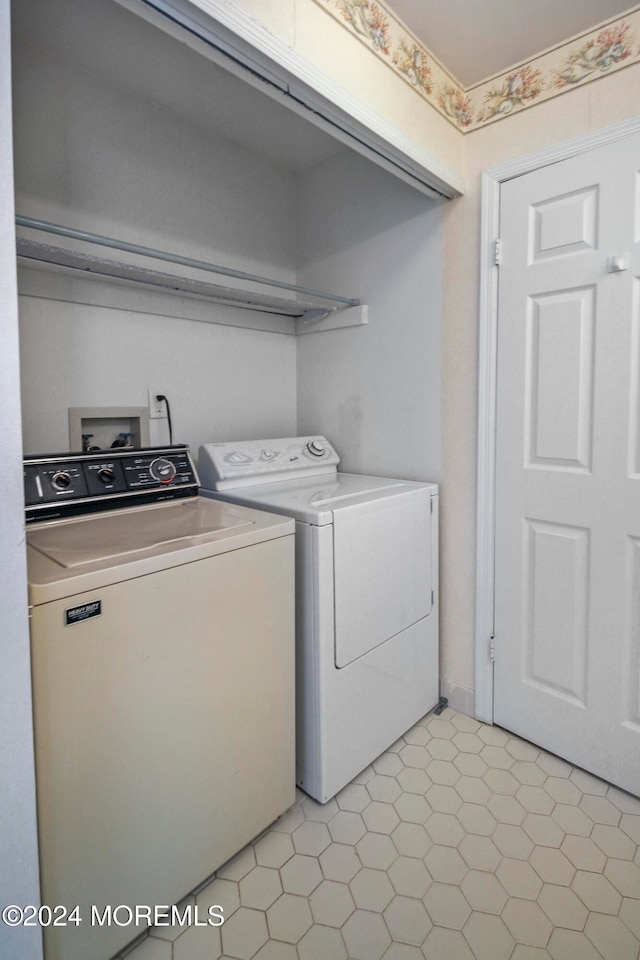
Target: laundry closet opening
{"x": 121, "y": 130}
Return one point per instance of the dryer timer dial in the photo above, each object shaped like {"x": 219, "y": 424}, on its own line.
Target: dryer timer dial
{"x": 316, "y": 449}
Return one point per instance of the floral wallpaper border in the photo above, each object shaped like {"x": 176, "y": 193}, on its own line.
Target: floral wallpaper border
{"x": 594, "y": 54}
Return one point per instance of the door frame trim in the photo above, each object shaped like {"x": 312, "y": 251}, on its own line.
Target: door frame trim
{"x": 492, "y": 180}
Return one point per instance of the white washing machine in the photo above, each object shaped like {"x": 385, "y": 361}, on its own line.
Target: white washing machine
{"x": 366, "y": 596}
{"x": 162, "y": 634}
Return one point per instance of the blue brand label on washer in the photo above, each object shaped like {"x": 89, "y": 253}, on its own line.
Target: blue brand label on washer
{"x": 84, "y": 612}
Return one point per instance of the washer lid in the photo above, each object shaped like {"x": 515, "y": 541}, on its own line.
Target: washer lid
{"x": 125, "y": 534}
{"x": 66, "y": 557}
{"x": 317, "y": 499}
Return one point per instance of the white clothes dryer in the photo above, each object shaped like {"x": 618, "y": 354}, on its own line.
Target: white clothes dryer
{"x": 366, "y": 596}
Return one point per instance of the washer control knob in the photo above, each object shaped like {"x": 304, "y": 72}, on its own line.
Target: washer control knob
{"x": 162, "y": 470}
{"x": 316, "y": 449}
{"x": 61, "y": 480}
{"x": 106, "y": 475}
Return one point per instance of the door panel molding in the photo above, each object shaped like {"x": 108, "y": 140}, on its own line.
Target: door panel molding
{"x": 492, "y": 180}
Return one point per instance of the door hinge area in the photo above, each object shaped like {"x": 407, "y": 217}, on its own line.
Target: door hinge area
{"x": 497, "y": 250}
{"x": 492, "y": 648}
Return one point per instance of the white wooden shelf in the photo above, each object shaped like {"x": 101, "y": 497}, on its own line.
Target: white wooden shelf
{"x": 309, "y": 310}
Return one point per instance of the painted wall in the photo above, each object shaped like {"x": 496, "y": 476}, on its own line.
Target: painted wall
{"x": 96, "y": 157}
{"x": 222, "y": 383}
{"x": 324, "y": 42}
{"x": 18, "y": 840}
{"x": 92, "y": 148}
{"x": 374, "y": 390}
{"x": 610, "y": 100}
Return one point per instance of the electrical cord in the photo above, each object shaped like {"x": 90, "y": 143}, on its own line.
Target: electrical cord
{"x": 161, "y": 396}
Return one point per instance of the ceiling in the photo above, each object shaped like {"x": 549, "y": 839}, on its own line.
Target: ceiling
{"x": 496, "y": 34}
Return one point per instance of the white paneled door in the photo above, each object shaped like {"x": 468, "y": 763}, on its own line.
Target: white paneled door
{"x": 567, "y": 605}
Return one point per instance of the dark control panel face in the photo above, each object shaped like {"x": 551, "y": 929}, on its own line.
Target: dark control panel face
{"x": 64, "y": 484}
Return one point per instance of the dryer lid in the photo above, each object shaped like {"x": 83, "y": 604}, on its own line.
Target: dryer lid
{"x": 316, "y": 500}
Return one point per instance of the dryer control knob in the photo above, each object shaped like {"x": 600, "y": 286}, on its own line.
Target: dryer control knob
{"x": 106, "y": 475}
{"x": 316, "y": 449}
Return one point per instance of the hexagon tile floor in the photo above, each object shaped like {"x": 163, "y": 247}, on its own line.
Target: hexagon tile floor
{"x": 461, "y": 842}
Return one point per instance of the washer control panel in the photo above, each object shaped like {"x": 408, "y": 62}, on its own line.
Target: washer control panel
{"x": 249, "y": 462}
{"x": 66, "y": 484}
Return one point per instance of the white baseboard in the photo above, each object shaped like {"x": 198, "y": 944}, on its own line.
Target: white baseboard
{"x": 460, "y": 698}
